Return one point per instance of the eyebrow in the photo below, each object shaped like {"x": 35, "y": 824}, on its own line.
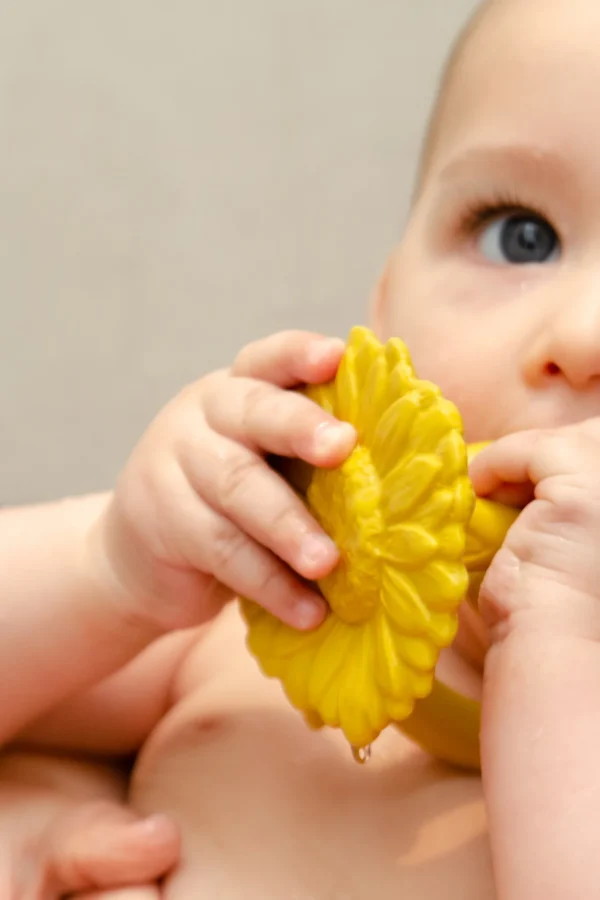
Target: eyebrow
{"x": 531, "y": 160}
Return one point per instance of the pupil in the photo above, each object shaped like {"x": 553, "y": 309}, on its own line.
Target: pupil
{"x": 528, "y": 240}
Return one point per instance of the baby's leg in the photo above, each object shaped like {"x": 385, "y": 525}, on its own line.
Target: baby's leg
{"x": 64, "y": 829}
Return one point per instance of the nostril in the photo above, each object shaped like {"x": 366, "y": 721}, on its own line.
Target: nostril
{"x": 552, "y": 369}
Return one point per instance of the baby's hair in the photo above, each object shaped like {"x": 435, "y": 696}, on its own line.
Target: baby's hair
{"x": 445, "y": 85}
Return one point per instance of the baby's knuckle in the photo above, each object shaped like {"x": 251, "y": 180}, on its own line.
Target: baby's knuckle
{"x": 251, "y": 354}
{"x": 198, "y": 392}
{"x": 234, "y": 479}
{"x": 286, "y": 522}
{"x": 571, "y": 500}
{"x": 258, "y": 395}
{"x": 269, "y": 582}
{"x": 226, "y": 544}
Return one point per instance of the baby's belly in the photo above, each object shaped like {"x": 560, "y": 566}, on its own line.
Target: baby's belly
{"x": 272, "y": 811}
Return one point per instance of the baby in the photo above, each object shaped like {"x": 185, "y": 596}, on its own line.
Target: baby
{"x": 495, "y": 288}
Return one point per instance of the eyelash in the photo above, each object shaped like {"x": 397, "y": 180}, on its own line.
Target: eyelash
{"x": 479, "y": 213}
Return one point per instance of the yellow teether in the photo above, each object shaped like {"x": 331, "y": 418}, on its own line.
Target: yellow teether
{"x": 402, "y": 511}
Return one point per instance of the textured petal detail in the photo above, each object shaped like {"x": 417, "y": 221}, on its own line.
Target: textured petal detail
{"x": 346, "y": 388}
{"x": 433, "y": 428}
{"x": 442, "y": 628}
{"x": 419, "y": 654}
{"x": 410, "y": 546}
{"x": 403, "y": 604}
{"x": 328, "y": 662}
{"x": 407, "y": 485}
{"x": 356, "y": 692}
{"x": 390, "y": 669}
{"x": 442, "y": 584}
{"x": 453, "y": 454}
{"x": 322, "y": 395}
{"x": 391, "y": 433}
{"x": 401, "y": 709}
{"x": 451, "y": 541}
{"x": 373, "y": 405}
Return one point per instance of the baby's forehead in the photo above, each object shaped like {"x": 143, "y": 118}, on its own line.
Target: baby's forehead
{"x": 512, "y": 53}
{"x": 446, "y": 85}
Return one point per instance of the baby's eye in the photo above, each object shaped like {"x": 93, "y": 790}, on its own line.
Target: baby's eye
{"x": 519, "y": 239}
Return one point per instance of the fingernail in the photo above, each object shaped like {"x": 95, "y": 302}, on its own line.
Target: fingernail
{"x": 333, "y": 437}
{"x": 316, "y": 551}
{"x": 324, "y": 350}
{"x": 156, "y": 826}
{"x": 309, "y": 613}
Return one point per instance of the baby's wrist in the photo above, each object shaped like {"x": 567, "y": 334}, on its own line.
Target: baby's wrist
{"x": 110, "y": 562}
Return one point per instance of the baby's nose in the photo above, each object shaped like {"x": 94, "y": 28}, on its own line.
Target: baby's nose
{"x": 568, "y": 342}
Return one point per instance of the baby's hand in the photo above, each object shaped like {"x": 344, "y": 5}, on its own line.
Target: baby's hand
{"x": 541, "y": 720}
{"x": 198, "y": 515}
{"x": 102, "y": 846}
{"x": 64, "y": 829}
{"x": 547, "y": 575}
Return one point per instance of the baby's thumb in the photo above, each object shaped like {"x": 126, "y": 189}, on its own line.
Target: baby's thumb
{"x": 104, "y": 845}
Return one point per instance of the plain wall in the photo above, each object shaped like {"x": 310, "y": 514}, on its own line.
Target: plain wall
{"x": 178, "y": 178}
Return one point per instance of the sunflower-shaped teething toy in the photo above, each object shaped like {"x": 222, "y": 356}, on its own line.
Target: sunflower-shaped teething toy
{"x": 399, "y": 510}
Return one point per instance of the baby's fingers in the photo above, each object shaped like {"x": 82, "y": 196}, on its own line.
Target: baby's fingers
{"x": 131, "y": 893}
{"x": 290, "y": 358}
{"x": 265, "y": 418}
{"x": 240, "y": 486}
{"x": 509, "y": 469}
{"x": 214, "y": 544}
{"x": 103, "y": 845}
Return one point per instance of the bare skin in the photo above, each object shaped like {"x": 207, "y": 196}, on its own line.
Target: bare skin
{"x": 266, "y": 803}
{"x": 500, "y": 255}
{"x": 64, "y": 829}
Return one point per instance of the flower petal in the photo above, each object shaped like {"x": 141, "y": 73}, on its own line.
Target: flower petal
{"x": 442, "y": 628}
{"x": 400, "y": 709}
{"x": 356, "y": 693}
{"x": 407, "y": 484}
{"x": 435, "y": 509}
{"x": 373, "y": 404}
{"x": 442, "y": 584}
{"x": 421, "y": 684}
{"x": 296, "y": 678}
{"x": 433, "y": 427}
{"x": 419, "y": 654}
{"x": 390, "y": 670}
{"x": 346, "y": 388}
{"x": 389, "y": 439}
{"x": 402, "y": 603}
{"x": 323, "y": 395}
{"x": 451, "y": 541}
{"x": 328, "y": 661}
{"x": 453, "y": 452}
{"x": 409, "y": 545}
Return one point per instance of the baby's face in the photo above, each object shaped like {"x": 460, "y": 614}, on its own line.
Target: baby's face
{"x": 496, "y": 286}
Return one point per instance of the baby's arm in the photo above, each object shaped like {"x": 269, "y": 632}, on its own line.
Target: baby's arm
{"x": 115, "y": 717}
{"x": 61, "y": 626}
{"x": 541, "y": 719}
{"x": 197, "y": 516}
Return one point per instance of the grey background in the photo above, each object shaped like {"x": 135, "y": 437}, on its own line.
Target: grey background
{"x": 178, "y": 178}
